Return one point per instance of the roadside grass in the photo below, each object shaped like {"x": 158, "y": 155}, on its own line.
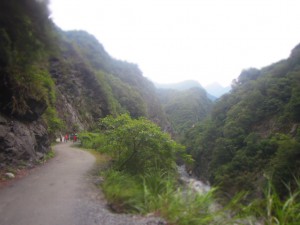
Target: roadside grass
{"x": 49, "y": 155}
{"x": 155, "y": 190}
{"x": 161, "y": 195}
{"x": 179, "y": 206}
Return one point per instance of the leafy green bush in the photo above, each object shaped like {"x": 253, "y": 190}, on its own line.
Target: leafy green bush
{"x": 138, "y": 146}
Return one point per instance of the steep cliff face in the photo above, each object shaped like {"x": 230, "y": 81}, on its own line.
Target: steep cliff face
{"x": 80, "y": 99}
{"x": 26, "y": 89}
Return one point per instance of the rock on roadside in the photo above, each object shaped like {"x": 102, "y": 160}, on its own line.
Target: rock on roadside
{"x": 10, "y": 175}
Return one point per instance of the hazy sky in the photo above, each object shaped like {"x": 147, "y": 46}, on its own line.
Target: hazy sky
{"x": 175, "y": 40}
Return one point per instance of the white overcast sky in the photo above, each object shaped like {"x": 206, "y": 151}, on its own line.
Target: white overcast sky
{"x": 176, "y": 40}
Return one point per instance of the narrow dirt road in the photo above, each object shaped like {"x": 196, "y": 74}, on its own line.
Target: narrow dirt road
{"x": 61, "y": 192}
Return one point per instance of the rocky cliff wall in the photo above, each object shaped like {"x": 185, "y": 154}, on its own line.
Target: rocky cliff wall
{"x": 22, "y": 142}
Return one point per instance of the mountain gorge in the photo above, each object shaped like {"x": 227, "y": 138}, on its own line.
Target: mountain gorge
{"x": 53, "y": 81}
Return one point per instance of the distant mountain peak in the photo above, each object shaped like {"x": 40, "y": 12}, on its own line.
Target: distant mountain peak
{"x": 183, "y": 85}
{"x": 217, "y": 89}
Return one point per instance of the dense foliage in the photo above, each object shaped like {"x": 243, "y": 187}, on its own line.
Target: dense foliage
{"x": 253, "y": 132}
{"x": 142, "y": 178}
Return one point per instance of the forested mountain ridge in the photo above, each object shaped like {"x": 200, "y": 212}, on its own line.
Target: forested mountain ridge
{"x": 185, "y": 85}
{"x": 253, "y": 133}
{"x": 54, "y": 82}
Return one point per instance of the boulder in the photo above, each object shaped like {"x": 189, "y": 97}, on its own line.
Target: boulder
{"x": 10, "y": 175}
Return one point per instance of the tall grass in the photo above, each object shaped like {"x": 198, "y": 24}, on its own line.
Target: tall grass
{"x": 276, "y": 210}
{"x": 123, "y": 191}
{"x": 160, "y": 193}
{"x": 157, "y": 191}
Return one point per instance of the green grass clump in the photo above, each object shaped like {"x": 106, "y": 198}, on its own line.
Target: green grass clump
{"x": 275, "y": 210}
{"x": 159, "y": 193}
{"x": 123, "y": 191}
{"x": 187, "y": 208}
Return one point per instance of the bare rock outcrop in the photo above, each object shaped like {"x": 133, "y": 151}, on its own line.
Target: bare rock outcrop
{"x": 22, "y": 141}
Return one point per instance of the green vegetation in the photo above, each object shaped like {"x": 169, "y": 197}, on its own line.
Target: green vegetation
{"x": 157, "y": 193}
{"x": 48, "y": 156}
{"x": 273, "y": 210}
{"x": 142, "y": 178}
{"x": 120, "y": 85}
{"x": 54, "y": 123}
{"x": 184, "y": 108}
{"x": 136, "y": 145}
{"x": 252, "y": 132}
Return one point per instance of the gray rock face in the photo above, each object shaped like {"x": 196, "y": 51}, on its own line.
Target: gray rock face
{"x": 22, "y": 141}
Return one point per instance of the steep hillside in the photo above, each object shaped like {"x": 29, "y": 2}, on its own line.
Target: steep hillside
{"x": 92, "y": 84}
{"x": 253, "y": 133}
{"x": 184, "y": 108}
{"x": 54, "y": 82}
{"x": 127, "y": 90}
